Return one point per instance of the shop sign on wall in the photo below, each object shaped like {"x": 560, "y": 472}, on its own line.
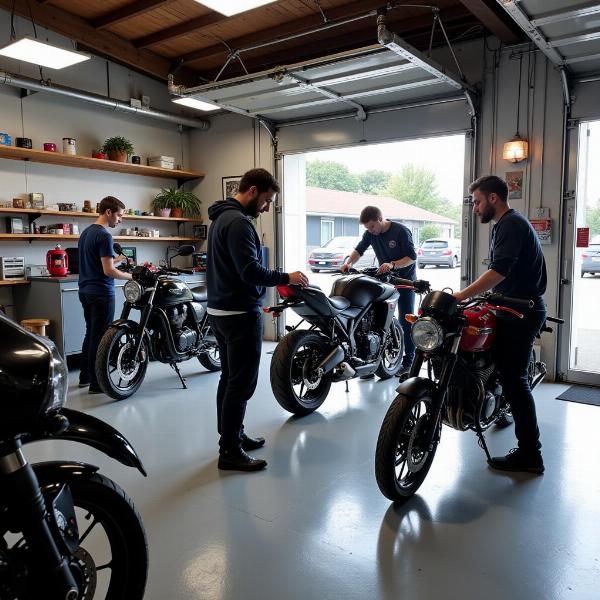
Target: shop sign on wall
{"x": 543, "y": 228}
{"x": 583, "y": 237}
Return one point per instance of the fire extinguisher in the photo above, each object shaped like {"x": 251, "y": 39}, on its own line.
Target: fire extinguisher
{"x": 57, "y": 262}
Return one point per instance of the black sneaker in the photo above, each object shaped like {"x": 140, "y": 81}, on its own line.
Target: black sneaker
{"x": 95, "y": 390}
{"x": 518, "y": 460}
{"x": 238, "y": 460}
{"x": 369, "y": 376}
{"x": 249, "y": 443}
{"x": 83, "y": 384}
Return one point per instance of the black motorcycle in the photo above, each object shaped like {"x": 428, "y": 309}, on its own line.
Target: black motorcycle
{"x": 68, "y": 532}
{"x": 173, "y": 328}
{"x": 352, "y": 333}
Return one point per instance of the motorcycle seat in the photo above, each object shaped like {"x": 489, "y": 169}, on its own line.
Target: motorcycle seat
{"x": 339, "y": 302}
{"x": 199, "y": 294}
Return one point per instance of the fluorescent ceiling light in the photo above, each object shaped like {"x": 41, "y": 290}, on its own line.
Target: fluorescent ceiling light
{"x": 42, "y": 53}
{"x": 233, "y": 7}
{"x": 198, "y": 104}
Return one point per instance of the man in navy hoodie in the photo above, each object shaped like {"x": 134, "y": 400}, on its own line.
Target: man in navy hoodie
{"x": 236, "y": 283}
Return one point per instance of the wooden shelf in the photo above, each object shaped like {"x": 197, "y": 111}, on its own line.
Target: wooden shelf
{"x": 137, "y": 238}
{"x": 83, "y": 162}
{"x": 14, "y": 282}
{"x": 65, "y": 213}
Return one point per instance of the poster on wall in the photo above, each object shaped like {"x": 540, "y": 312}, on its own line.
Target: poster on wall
{"x": 543, "y": 228}
{"x": 231, "y": 186}
{"x": 514, "y": 180}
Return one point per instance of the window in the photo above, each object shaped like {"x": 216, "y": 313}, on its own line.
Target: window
{"x": 326, "y": 230}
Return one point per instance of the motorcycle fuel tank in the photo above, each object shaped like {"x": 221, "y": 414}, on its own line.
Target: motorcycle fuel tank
{"x": 171, "y": 291}
{"x": 480, "y": 332}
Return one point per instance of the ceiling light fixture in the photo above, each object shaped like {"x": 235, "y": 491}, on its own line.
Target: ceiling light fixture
{"x": 233, "y": 7}
{"x": 516, "y": 149}
{"x": 41, "y": 53}
{"x": 197, "y": 104}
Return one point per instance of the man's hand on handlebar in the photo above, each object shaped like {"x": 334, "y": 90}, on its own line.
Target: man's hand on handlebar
{"x": 298, "y": 278}
{"x": 385, "y": 267}
{"x": 345, "y": 267}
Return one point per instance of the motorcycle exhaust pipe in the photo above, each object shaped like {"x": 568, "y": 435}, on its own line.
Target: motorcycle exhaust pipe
{"x": 332, "y": 360}
{"x": 343, "y": 372}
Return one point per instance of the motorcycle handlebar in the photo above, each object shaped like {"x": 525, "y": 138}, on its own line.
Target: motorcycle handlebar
{"x": 520, "y": 302}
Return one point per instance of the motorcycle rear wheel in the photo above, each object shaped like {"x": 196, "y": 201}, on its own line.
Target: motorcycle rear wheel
{"x": 113, "y": 367}
{"x": 391, "y": 362}
{"x": 293, "y": 380}
{"x": 211, "y": 360}
{"x": 401, "y": 463}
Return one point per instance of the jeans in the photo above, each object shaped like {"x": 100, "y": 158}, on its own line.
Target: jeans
{"x": 513, "y": 348}
{"x": 99, "y": 312}
{"x": 240, "y": 342}
{"x": 406, "y": 305}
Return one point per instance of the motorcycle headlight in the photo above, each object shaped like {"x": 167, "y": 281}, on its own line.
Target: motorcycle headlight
{"x": 427, "y": 334}
{"x": 133, "y": 291}
{"x": 58, "y": 381}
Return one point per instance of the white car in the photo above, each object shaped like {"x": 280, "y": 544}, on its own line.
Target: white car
{"x": 439, "y": 252}
{"x": 332, "y": 255}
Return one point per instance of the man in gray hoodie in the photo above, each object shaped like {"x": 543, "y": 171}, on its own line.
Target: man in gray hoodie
{"x": 237, "y": 283}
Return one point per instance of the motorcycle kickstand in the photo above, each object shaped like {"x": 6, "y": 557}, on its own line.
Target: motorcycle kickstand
{"x": 182, "y": 379}
{"x": 482, "y": 443}
{"x": 347, "y": 388}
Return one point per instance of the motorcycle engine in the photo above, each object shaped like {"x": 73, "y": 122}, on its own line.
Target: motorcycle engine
{"x": 185, "y": 338}
{"x": 367, "y": 341}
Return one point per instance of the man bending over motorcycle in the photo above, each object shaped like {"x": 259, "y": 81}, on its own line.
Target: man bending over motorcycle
{"x": 394, "y": 249}
{"x": 517, "y": 268}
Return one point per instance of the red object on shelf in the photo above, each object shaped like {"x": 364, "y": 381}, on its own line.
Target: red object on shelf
{"x": 57, "y": 262}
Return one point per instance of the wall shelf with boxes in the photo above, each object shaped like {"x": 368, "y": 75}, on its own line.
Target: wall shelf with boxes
{"x": 15, "y": 282}
{"x": 30, "y": 237}
{"x": 84, "y": 162}
{"x": 35, "y": 213}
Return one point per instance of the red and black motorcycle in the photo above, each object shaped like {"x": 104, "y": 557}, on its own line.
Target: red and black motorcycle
{"x": 462, "y": 389}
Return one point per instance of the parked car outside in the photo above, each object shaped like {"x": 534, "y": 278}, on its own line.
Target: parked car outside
{"x": 439, "y": 252}
{"x": 332, "y": 255}
{"x": 590, "y": 257}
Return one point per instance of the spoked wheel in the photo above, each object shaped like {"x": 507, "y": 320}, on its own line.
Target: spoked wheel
{"x": 119, "y": 375}
{"x": 401, "y": 460}
{"x": 298, "y": 386}
{"x": 393, "y": 352}
{"x": 111, "y": 558}
{"x": 211, "y": 359}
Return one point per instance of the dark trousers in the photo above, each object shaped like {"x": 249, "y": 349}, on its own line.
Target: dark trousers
{"x": 406, "y": 305}
{"x": 514, "y": 345}
{"x": 99, "y": 312}
{"x": 240, "y": 342}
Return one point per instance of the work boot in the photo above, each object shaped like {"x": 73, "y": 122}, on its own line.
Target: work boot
{"x": 238, "y": 460}
{"x": 519, "y": 460}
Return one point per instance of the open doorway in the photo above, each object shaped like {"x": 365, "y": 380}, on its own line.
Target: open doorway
{"x": 419, "y": 183}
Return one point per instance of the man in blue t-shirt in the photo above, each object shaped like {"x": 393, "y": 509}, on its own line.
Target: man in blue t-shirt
{"x": 97, "y": 273}
{"x": 517, "y": 269}
{"x": 394, "y": 249}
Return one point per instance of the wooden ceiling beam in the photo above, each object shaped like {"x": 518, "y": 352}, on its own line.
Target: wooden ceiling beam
{"x": 103, "y": 42}
{"x": 126, "y": 12}
{"x": 194, "y": 26}
{"x": 495, "y": 20}
{"x": 395, "y": 22}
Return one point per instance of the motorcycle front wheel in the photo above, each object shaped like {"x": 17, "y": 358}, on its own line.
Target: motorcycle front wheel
{"x": 111, "y": 560}
{"x": 401, "y": 459}
{"x": 118, "y": 374}
{"x": 294, "y": 379}
{"x": 393, "y": 351}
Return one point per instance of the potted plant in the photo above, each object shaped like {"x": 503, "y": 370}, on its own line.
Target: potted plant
{"x": 177, "y": 203}
{"x": 118, "y": 148}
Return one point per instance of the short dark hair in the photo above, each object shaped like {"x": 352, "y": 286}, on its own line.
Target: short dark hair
{"x": 261, "y": 178}
{"x": 110, "y": 203}
{"x": 370, "y": 213}
{"x": 490, "y": 184}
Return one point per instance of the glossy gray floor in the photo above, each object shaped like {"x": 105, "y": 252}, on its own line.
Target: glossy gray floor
{"x": 314, "y": 525}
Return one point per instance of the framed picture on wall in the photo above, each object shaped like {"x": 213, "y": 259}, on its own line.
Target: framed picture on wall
{"x": 514, "y": 181}
{"x": 200, "y": 232}
{"x": 14, "y": 225}
{"x": 231, "y": 186}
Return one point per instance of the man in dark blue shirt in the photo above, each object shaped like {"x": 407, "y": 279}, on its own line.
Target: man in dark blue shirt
{"x": 394, "y": 249}
{"x": 236, "y": 283}
{"x": 96, "y": 285}
{"x": 517, "y": 269}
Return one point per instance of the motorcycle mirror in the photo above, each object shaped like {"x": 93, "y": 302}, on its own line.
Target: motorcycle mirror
{"x": 117, "y": 248}
{"x": 186, "y": 250}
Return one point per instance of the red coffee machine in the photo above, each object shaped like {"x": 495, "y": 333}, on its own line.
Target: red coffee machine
{"x": 57, "y": 262}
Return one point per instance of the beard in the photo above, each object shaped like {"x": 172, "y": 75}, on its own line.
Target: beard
{"x": 488, "y": 214}
{"x": 252, "y": 208}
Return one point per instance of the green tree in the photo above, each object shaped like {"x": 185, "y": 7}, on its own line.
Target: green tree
{"x": 416, "y": 186}
{"x": 374, "y": 181}
{"x": 428, "y": 231}
{"x": 593, "y": 220}
{"x": 330, "y": 175}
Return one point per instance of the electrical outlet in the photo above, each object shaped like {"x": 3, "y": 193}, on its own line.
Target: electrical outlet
{"x": 135, "y": 103}
{"x": 542, "y": 212}
{"x": 146, "y": 101}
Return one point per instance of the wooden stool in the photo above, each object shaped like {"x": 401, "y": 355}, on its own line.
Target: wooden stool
{"x": 37, "y": 326}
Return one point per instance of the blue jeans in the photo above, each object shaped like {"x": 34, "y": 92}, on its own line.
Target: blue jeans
{"x": 99, "y": 312}
{"x": 406, "y": 305}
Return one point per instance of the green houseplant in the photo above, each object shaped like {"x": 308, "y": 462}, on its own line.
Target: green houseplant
{"x": 118, "y": 148}
{"x": 176, "y": 203}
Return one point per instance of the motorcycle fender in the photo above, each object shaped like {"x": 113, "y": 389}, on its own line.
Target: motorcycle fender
{"x": 93, "y": 432}
{"x": 417, "y": 387}
{"x": 53, "y": 475}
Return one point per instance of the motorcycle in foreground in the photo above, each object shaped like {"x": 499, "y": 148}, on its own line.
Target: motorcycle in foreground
{"x": 68, "y": 532}
{"x": 353, "y": 332}
{"x": 462, "y": 389}
{"x": 173, "y": 328}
